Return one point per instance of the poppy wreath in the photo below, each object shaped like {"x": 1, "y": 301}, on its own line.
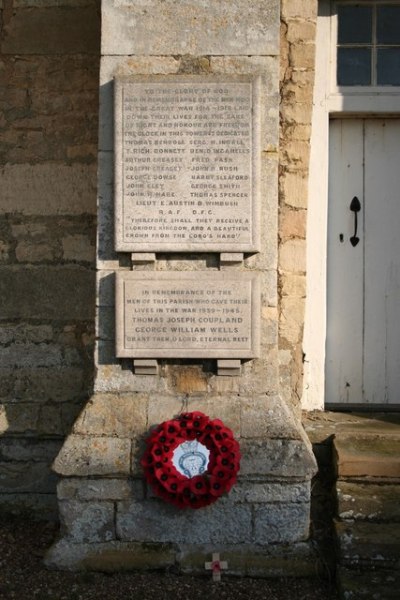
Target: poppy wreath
{"x": 218, "y": 476}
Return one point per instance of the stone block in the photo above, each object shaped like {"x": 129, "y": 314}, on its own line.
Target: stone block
{"x": 24, "y": 333}
{"x": 36, "y": 505}
{"x": 302, "y": 56}
{"x": 299, "y": 112}
{"x": 19, "y": 418}
{"x": 167, "y": 28}
{"x": 59, "y": 30}
{"x": 31, "y": 252}
{"x": 78, "y": 248}
{"x": 354, "y": 584}
{"x": 272, "y": 560}
{"x": 163, "y": 408}
{"x": 300, "y": 30}
{"x": 99, "y": 489}
{"x": 270, "y": 492}
{"x": 368, "y": 501}
{"x": 368, "y": 545}
{"x": 294, "y": 189}
{"x": 304, "y": 9}
{"x": 293, "y": 285}
{"x": 113, "y": 415}
{"x": 292, "y": 256}
{"x": 293, "y": 223}
{"x": 26, "y": 477}
{"x": 358, "y": 455}
{"x": 81, "y": 456}
{"x": 87, "y": 522}
{"x": 267, "y": 417}
{"x": 292, "y": 319}
{"x": 281, "y": 523}
{"x": 32, "y": 355}
{"x": 28, "y": 449}
{"x": 156, "y": 521}
{"x": 277, "y": 458}
{"x": 110, "y": 557}
{"x": 33, "y": 385}
{"x": 47, "y": 293}
{"x": 41, "y": 189}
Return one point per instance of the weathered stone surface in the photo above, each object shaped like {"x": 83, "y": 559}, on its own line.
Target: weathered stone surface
{"x": 18, "y": 418}
{"x": 99, "y": 489}
{"x": 28, "y": 450}
{"x": 281, "y": 523}
{"x": 110, "y": 557}
{"x": 87, "y": 522}
{"x": 368, "y": 501}
{"x": 358, "y": 585}
{"x": 47, "y": 293}
{"x": 166, "y": 28}
{"x": 292, "y": 256}
{"x": 278, "y": 458}
{"x": 267, "y": 417}
{"x": 61, "y": 30}
{"x": 30, "y": 503}
{"x": 27, "y": 477}
{"x": 359, "y": 455}
{"x": 163, "y": 407}
{"x": 273, "y": 560}
{"x": 111, "y": 414}
{"x": 26, "y": 189}
{"x": 263, "y": 493}
{"x": 156, "y": 521}
{"x": 372, "y": 545}
{"x": 89, "y": 455}
{"x": 30, "y": 384}
{"x": 78, "y": 248}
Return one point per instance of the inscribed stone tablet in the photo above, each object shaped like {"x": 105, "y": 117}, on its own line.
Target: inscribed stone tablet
{"x": 187, "y": 164}
{"x": 187, "y": 314}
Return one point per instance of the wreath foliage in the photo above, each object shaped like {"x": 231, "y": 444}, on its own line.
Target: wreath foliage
{"x": 185, "y": 490}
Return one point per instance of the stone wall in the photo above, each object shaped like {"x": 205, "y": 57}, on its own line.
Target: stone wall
{"x": 298, "y": 28}
{"x": 48, "y": 155}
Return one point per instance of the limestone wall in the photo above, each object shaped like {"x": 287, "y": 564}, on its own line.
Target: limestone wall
{"x": 298, "y": 26}
{"x": 48, "y": 155}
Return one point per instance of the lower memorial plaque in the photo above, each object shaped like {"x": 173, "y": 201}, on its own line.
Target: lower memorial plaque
{"x": 187, "y": 314}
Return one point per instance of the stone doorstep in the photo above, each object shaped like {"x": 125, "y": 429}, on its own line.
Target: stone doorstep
{"x": 369, "y": 546}
{"x": 361, "y": 455}
{"x": 368, "y": 501}
{"x": 378, "y": 585}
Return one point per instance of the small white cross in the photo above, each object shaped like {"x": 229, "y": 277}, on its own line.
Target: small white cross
{"x": 216, "y": 566}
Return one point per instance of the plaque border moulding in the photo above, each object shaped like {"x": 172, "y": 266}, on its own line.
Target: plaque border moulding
{"x": 147, "y": 296}
{"x": 185, "y": 244}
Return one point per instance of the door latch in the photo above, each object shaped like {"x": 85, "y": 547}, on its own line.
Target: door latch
{"x": 355, "y": 207}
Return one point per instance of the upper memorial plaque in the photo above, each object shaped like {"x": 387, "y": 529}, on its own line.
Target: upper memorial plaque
{"x": 187, "y": 164}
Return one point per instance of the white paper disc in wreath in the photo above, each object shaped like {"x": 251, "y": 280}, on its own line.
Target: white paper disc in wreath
{"x": 191, "y": 458}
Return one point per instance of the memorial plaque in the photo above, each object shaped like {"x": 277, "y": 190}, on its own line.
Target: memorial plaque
{"x": 187, "y": 164}
{"x": 187, "y": 314}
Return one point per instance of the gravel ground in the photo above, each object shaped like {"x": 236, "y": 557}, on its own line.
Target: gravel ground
{"x": 23, "y": 577}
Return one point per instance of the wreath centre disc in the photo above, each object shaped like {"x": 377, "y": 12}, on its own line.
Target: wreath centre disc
{"x": 191, "y": 458}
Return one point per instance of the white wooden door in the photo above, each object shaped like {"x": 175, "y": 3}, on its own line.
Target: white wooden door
{"x": 363, "y": 307}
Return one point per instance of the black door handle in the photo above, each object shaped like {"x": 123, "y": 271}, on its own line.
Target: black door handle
{"x": 355, "y": 207}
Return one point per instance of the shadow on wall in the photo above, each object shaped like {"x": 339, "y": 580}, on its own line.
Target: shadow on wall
{"x": 48, "y": 164}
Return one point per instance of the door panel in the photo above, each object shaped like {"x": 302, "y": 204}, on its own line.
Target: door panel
{"x": 363, "y": 330}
